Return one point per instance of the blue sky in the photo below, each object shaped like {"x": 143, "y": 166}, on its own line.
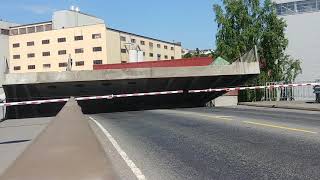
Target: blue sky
{"x": 189, "y": 21}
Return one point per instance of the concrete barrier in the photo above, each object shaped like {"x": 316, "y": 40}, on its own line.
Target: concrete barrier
{"x": 67, "y": 149}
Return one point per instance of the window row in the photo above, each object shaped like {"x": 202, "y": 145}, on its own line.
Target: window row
{"x": 122, "y": 38}
{"x": 31, "y": 29}
{"x": 59, "y": 40}
{"x": 298, "y": 7}
{"x": 60, "y": 52}
{"x": 62, "y": 64}
{"x": 150, "y": 54}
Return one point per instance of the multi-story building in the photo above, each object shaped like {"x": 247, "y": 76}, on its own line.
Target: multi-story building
{"x": 78, "y": 41}
{"x": 303, "y": 32}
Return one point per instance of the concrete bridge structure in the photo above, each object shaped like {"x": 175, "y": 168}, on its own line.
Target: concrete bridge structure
{"x": 49, "y": 85}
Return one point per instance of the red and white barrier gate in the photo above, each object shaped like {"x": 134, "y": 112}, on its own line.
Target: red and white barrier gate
{"x": 153, "y": 94}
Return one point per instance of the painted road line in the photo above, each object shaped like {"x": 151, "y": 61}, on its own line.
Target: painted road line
{"x": 136, "y": 171}
{"x": 225, "y": 118}
{"x": 279, "y": 127}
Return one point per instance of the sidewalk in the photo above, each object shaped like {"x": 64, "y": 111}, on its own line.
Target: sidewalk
{"x": 300, "y": 105}
{"x": 16, "y": 135}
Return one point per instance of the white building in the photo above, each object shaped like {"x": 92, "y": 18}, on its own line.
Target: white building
{"x": 303, "y": 32}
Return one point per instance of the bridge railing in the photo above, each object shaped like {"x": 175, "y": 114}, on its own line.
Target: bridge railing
{"x": 291, "y": 93}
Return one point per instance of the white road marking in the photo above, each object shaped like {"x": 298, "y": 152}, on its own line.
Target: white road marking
{"x": 136, "y": 171}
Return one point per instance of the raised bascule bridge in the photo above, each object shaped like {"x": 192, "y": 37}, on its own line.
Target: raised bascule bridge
{"x": 116, "y": 79}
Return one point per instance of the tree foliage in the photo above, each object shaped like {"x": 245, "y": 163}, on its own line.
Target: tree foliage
{"x": 242, "y": 24}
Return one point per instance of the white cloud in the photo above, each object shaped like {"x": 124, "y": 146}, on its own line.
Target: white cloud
{"x": 38, "y": 9}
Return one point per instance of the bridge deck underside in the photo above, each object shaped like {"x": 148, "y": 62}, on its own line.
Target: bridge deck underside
{"x": 15, "y": 93}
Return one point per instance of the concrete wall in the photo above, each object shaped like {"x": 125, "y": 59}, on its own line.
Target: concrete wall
{"x": 237, "y": 68}
{"x": 223, "y": 101}
{"x": 303, "y": 32}
{"x": 69, "y": 18}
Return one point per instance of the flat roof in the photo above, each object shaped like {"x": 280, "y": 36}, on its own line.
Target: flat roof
{"x": 116, "y": 30}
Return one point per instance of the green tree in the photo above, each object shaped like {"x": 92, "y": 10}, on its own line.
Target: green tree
{"x": 242, "y": 24}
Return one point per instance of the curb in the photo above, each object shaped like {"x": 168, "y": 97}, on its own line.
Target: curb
{"x": 281, "y": 107}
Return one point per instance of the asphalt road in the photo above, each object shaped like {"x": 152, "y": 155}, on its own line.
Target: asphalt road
{"x": 221, "y": 143}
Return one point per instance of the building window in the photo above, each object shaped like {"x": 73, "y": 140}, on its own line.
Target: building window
{"x": 32, "y": 67}
{"x": 151, "y": 54}
{"x": 22, "y": 31}
{"x": 80, "y": 63}
{"x": 150, "y": 44}
{"x": 144, "y": 53}
{"x": 46, "y": 54}
{"x": 78, "y": 38}
{"x": 165, "y": 57}
{"x": 46, "y": 66}
{"x": 31, "y": 43}
{"x": 97, "y": 61}
{"x": 123, "y": 51}
{"x": 165, "y": 47}
{"x": 172, "y": 57}
{"x": 62, "y": 52}
{"x": 305, "y": 6}
{"x": 80, "y": 50}
{"x": 16, "y": 45}
{"x": 31, "y": 29}
{"x": 158, "y": 56}
{"x": 97, "y": 49}
{"x": 133, "y": 40}
{"x": 142, "y": 43}
{"x": 16, "y": 56}
{"x": 60, "y": 40}
{"x": 40, "y": 28}
{"x": 5, "y": 31}
{"x": 122, "y": 38}
{"x": 172, "y": 48}
{"x": 63, "y": 64}
{"x": 47, "y": 41}
{"x": 17, "y": 68}
{"x": 158, "y": 46}
{"x": 48, "y": 27}
{"x": 96, "y": 36}
{"x": 31, "y": 55}
{"x": 14, "y": 32}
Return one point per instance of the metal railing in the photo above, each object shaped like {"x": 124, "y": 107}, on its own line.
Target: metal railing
{"x": 296, "y": 93}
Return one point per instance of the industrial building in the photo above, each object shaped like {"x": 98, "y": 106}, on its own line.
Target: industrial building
{"x": 303, "y": 32}
{"x": 73, "y": 40}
